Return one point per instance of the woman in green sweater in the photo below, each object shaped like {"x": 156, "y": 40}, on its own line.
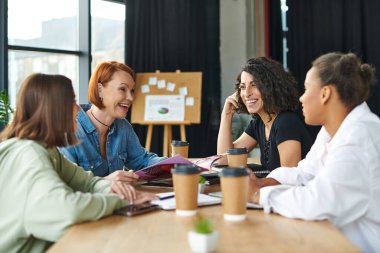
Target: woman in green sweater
{"x": 42, "y": 193}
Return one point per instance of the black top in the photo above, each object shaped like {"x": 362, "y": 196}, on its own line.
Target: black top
{"x": 286, "y": 126}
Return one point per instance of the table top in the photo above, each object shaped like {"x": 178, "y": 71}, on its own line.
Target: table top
{"x": 164, "y": 231}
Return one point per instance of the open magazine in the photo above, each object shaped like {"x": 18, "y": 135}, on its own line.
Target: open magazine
{"x": 162, "y": 170}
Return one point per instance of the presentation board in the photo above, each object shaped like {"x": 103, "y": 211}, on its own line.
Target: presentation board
{"x": 167, "y": 98}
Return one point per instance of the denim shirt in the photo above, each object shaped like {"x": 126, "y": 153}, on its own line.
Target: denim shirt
{"x": 122, "y": 146}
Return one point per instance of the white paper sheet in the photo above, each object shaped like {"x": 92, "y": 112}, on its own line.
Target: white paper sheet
{"x": 164, "y": 108}
{"x": 161, "y": 84}
{"x": 153, "y": 80}
{"x": 249, "y": 205}
{"x": 183, "y": 91}
{"x": 169, "y": 204}
{"x": 189, "y": 101}
{"x": 145, "y": 88}
{"x": 170, "y": 87}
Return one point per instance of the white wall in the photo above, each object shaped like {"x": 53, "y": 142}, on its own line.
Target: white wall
{"x": 241, "y": 37}
{"x": 238, "y": 42}
{"x": 233, "y": 43}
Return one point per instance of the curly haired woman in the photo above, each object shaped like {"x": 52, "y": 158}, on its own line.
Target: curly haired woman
{"x": 267, "y": 92}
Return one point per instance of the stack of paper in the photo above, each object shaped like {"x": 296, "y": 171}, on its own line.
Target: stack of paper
{"x": 169, "y": 204}
{"x": 249, "y": 205}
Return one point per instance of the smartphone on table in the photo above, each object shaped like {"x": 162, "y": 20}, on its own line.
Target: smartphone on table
{"x": 132, "y": 210}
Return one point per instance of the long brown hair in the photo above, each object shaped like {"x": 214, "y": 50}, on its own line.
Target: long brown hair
{"x": 103, "y": 74}
{"x": 44, "y": 111}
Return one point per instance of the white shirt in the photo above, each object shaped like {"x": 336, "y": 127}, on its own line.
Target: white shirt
{"x": 339, "y": 180}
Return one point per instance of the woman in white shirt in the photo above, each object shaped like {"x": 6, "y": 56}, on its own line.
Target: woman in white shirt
{"x": 339, "y": 179}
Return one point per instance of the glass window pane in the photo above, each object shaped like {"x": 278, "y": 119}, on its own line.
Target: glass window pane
{"x": 43, "y": 23}
{"x": 108, "y": 36}
{"x": 23, "y": 63}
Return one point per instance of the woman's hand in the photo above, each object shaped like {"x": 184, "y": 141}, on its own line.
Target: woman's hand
{"x": 254, "y": 185}
{"x": 142, "y": 197}
{"x": 253, "y": 188}
{"x": 128, "y": 192}
{"x": 231, "y": 104}
{"x": 124, "y": 190}
{"x": 123, "y": 176}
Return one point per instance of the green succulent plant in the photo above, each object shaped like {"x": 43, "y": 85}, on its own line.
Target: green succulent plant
{"x": 201, "y": 180}
{"x": 203, "y": 226}
{"x": 5, "y": 108}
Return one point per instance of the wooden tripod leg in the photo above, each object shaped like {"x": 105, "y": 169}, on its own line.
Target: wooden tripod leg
{"x": 166, "y": 137}
{"x": 149, "y": 137}
{"x": 183, "y": 132}
{"x": 170, "y": 136}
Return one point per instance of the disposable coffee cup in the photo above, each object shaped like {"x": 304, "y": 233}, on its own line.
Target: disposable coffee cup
{"x": 180, "y": 148}
{"x": 237, "y": 157}
{"x": 185, "y": 180}
{"x": 234, "y": 184}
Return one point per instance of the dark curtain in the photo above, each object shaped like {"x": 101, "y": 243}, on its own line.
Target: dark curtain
{"x": 167, "y": 35}
{"x": 275, "y": 30}
{"x": 318, "y": 27}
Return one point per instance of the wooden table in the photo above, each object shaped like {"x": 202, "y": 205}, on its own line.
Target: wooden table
{"x": 164, "y": 231}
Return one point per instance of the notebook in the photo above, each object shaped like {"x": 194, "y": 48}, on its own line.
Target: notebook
{"x": 169, "y": 203}
{"x": 162, "y": 169}
{"x": 249, "y": 205}
{"x": 259, "y": 170}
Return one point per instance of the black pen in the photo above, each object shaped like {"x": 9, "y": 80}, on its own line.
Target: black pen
{"x": 167, "y": 197}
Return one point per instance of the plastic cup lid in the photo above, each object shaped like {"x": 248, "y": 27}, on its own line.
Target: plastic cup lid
{"x": 179, "y": 143}
{"x": 237, "y": 151}
{"x": 234, "y": 172}
{"x": 186, "y": 169}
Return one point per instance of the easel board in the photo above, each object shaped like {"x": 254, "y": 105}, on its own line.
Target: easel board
{"x": 191, "y": 81}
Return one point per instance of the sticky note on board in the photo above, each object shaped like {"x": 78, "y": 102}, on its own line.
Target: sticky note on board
{"x": 153, "y": 80}
{"x": 170, "y": 87}
{"x": 183, "y": 91}
{"x": 145, "y": 88}
{"x": 189, "y": 101}
{"x": 161, "y": 84}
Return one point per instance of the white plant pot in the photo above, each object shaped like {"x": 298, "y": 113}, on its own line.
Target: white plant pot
{"x": 203, "y": 243}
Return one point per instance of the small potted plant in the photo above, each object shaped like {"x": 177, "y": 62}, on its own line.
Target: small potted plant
{"x": 5, "y": 108}
{"x": 203, "y": 238}
{"x": 201, "y": 184}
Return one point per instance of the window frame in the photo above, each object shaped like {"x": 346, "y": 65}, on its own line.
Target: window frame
{"x": 83, "y": 52}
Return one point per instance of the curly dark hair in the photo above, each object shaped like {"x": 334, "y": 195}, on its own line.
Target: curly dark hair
{"x": 277, "y": 87}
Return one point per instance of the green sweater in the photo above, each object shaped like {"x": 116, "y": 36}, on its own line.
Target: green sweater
{"x": 42, "y": 194}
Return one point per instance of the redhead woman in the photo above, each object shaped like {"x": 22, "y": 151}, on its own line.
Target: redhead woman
{"x": 42, "y": 193}
{"x": 109, "y": 146}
